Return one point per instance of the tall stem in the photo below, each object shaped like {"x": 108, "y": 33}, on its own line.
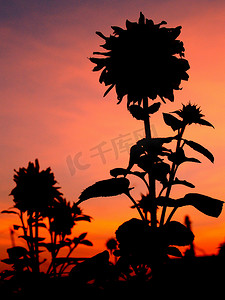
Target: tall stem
{"x": 36, "y": 242}
{"x": 151, "y": 180}
{"x": 54, "y": 253}
{"x": 172, "y": 175}
{"x": 146, "y": 120}
{"x": 31, "y": 241}
{"x": 135, "y": 204}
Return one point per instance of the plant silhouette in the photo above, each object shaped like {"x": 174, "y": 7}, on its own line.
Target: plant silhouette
{"x": 190, "y": 252}
{"x": 40, "y": 204}
{"x": 143, "y": 62}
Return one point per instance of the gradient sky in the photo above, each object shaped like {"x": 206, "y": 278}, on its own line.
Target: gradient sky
{"x": 52, "y": 106}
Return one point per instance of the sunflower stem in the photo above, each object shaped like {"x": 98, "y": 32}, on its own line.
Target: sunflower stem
{"x": 151, "y": 180}
{"x": 36, "y": 243}
{"x": 171, "y": 214}
{"x": 31, "y": 240}
{"x": 136, "y": 205}
{"x": 146, "y": 120}
{"x": 172, "y": 175}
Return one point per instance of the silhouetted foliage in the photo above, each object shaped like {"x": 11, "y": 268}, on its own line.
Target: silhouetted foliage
{"x": 105, "y": 188}
{"x": 94, "y": 268}
{"x": 111, "y": 244}
{"x": 37, "y": 200}
{"x": 222, "y": 250}
{"x": 190, "y": 252}
{"x": 144, "y": 61}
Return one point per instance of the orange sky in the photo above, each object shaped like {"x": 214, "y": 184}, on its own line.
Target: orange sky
{"x": 52, "y": 106}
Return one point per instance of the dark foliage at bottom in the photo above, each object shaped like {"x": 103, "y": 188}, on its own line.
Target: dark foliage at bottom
{"x": 178, "y": 277}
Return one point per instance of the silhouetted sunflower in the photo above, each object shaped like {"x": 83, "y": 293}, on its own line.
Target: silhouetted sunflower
{"x": 64, "y": 215}
{"x": 190, "y": 114}
{"x": 35, "y": 190}
{"x": 143, "y": 60}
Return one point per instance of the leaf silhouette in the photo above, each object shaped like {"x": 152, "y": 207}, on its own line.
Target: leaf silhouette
{"x": 179, "y": 157}
{"x": 16, "y": 252}
{"x": 207, "y": 205}
{"x": 9, "y": 212}
{"x": 135, "y": 153}
{"x": 30, "y": 239}
{"x": 91, "y": 268}
{"x": 118, "y": 171}
{"x": 82, "y": 236}
{"x": 199, "y": 148}
{"x": 177, "y": 234}
{"x": 137, "y": 112}
{"x": 204, "y": 122}
{"x": 83, "y": 218}
{"x": 160, "y": 171}
{"x": 16, "y": 227}
{"x": 192, "y": 159}
{"x": 172, "y": 121}
{"x": 183, "y": 182}
{"x": 43, "y": 225}
{"x": 174, "y": 252}
{"x": 154, "y": 108}
{"x": 86, "y": 243}
{"x": 161, "y": 201}
{"x": 105, "y": 188}
{"x": 8, "y": 261}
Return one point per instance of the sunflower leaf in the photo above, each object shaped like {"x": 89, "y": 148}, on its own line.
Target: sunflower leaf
{"x": 118, "y": 171}
{"x": 183, "y": 182}
{"x": 137, "y": 112}
{"x": 135, "y": 153}
{"x": 172, "y": 121}
{"x": 204, "y": 122}
{"x": 177, "y": 234}
{"x": 199, "y": 148}
{"x": 86, "y": 242}
{"x": 9, "y": 212}
{"x": 174, "y": 252}
{"x": 82, "y": 236}
{"x": 105, "y": 188}
{"x": 207, "y": 205}
{"x": 154, "y": 108}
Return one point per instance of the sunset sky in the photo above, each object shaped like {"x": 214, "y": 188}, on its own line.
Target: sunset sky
{"x": 52, "y": 105}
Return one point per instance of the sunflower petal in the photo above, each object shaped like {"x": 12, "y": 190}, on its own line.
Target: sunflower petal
{"x": 101, "y": 35}
{"x": 117, "y": 30}
{"x": 108, "y": 90}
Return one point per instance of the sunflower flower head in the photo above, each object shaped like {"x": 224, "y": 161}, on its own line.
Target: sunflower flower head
{"x": 63, "y": 217}
{"x": 143, "y": 60}
{"x": 190, "y": 114}
{"x": 35, "y": 190}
